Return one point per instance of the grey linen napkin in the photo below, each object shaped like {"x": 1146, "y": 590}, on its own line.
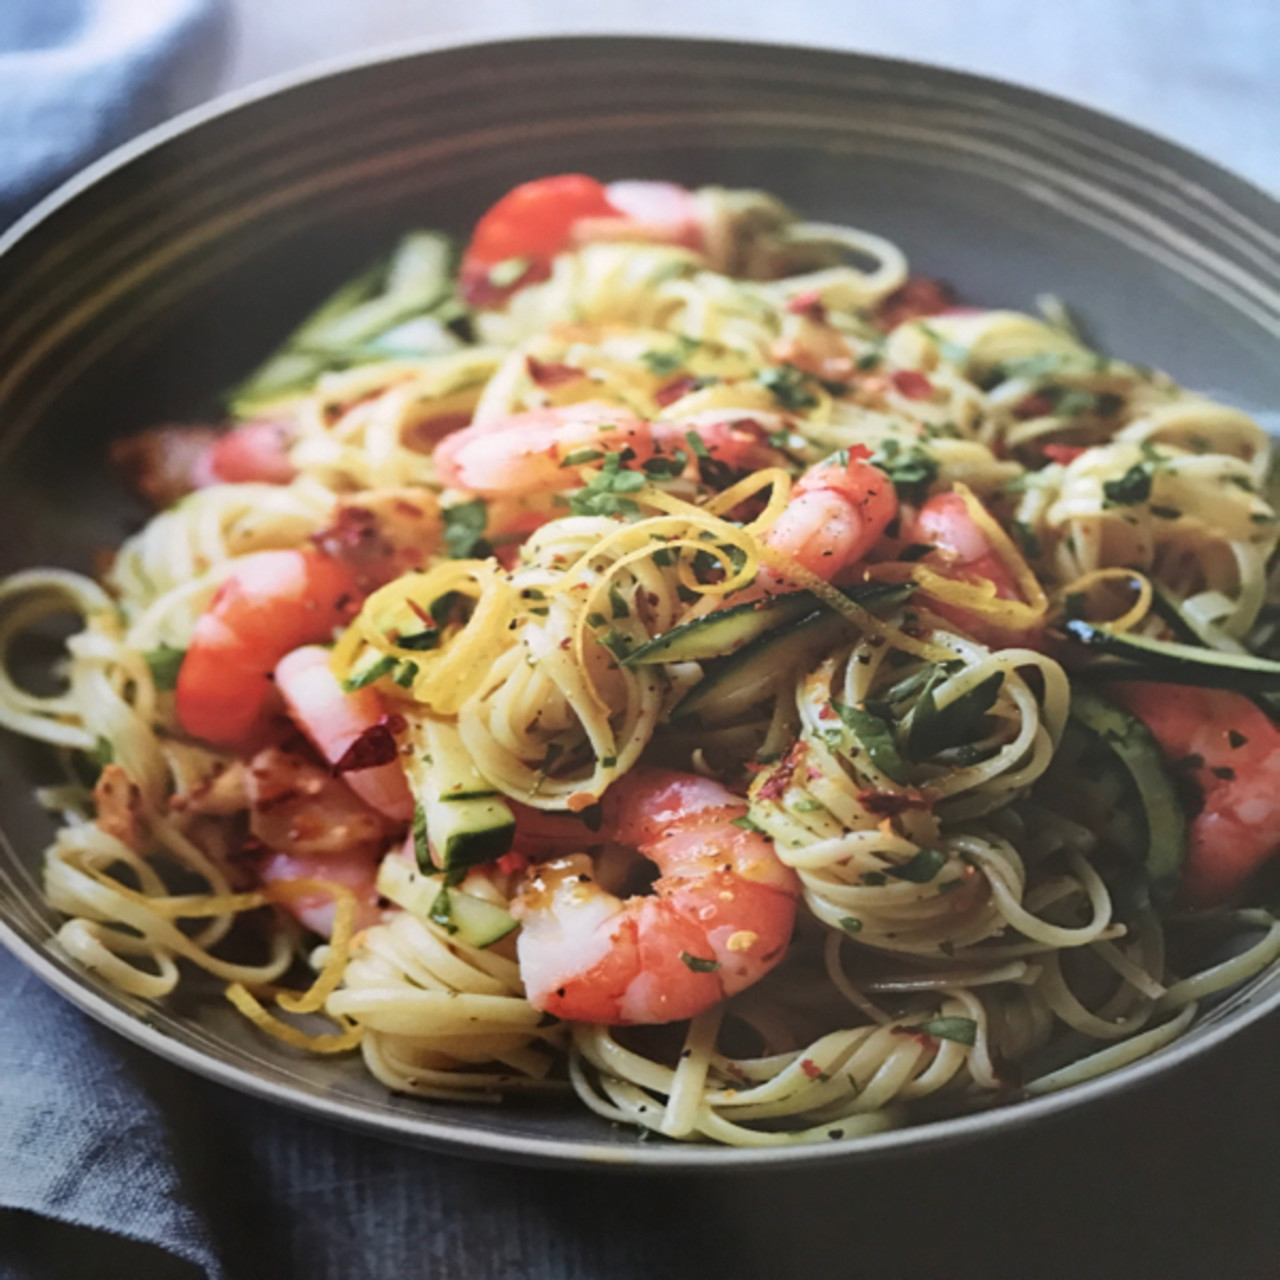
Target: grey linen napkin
{"x": 81, "y": 1139}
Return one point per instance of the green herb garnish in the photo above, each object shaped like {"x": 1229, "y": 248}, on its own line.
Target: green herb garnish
{"x": 876, "y": 736}
{"x": 374, "y": 671}
{"x": 1131, "y": 488}
{"x": 961, "y": 1030}
{"x": 787, "y": 384}
{"x": 935, "y": 728}
{"x": 605, "y": 493}
{"x": 164, "y": 661}
{"x": 464, "y": 524}
{"x": 921, "y": 869}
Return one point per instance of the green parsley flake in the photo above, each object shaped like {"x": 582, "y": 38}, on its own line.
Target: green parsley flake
{"x": 961, "y": 1030}
{"x": 464, "y": 524}
{"x": 605, "y": 493}
{"x": 876, "y": 736}
{"x": 787, "y": 384}
{"x": 1131, "y": 488}
{"x": 164, "y": 661}
{"x": 921, "y": 869}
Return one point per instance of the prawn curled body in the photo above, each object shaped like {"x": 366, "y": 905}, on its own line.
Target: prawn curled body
{"x": 718, "y": 920}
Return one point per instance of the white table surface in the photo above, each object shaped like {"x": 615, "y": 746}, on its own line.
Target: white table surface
{"x": 1205, "y": 73}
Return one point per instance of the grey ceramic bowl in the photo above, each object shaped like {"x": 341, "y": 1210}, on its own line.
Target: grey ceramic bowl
{"x": 160, "y": 276}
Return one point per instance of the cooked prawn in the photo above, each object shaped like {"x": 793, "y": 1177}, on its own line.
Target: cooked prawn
{"x": 316, "y": 910}
{"x": 270, "y": 604}
{"x": 315, "y": 827}
{"x": 537, "y": 220}
{"x": 526, "y": 453}
{"x": 837, "y": 512}
{"x": 529, "y": 453}
{"x": 1230, "y": 750}
{"x": 165, "y": 463}
{"x": 335, "y": 719}
{"x": 963, "y": 551}
{"x": 718, "y": 920}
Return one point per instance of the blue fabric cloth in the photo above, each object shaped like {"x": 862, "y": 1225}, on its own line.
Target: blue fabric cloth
{"x": 78, "y": 77}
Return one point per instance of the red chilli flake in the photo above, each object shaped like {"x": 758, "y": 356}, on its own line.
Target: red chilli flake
{"x": 919, "y": 296}
{"x": 859, "y": 451}
{"x": 1063, "y": 453}
{"x": 513, "y": 863}
{"x": 808, "y": 304}
{"x": 889, "y": 804}
{"x": 676, "y": 390}
{"x": 810, "y": 1068}
{"x": 1033, "y": 406}
{"x": 775, "y": 786}
{"x": 911, "y": 384}
{"x": 375, "y": 746}
{"x": 550, "y": 374}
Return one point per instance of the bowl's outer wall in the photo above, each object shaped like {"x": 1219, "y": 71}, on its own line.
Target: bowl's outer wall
{"x": 142, "y": 298}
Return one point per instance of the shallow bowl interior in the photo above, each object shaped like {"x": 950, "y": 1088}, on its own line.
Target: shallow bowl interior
{"x": 142, "y": 291}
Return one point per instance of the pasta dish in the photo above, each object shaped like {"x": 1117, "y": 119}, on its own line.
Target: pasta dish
{"x": 671, "y": 653}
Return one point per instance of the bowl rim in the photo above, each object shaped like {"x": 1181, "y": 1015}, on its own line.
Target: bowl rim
{"x": 575, "y": 1152}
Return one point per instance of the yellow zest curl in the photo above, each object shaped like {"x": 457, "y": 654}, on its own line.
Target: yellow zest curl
{"x": 1138, "y": 582}
{"x": 312, "y": 1000}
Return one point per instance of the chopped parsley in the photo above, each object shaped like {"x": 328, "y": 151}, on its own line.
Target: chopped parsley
{"x": 664, "y": 467}
{"x": 374, "y": 671}
{"x": 921, "y": 869}
{"x": 912, "y": 470}
{"x": 605, "y": 493}
{"x": 934, "y": 729}
{"x": 616, "y": 643}
{"x": 103, "y": 752}
{"x": 464, "y": 524}
{"x": 664, "y": 363}
{"x": 1131, "y": 488}
{"x": 876, "y": 736}
{"x": 697, "y": 444}
{"x": 961, "y": 1030}
{"x": 581, "y": 457}
{"x": 850, "y": 924}
{"x": 787, "y": 384}
{"x": 617, "y": 605}
{"x": 164, "y": 661}
{"x": 747, "y": 824}
{"x": 698, "y": 964}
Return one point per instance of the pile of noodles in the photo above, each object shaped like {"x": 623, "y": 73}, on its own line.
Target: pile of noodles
{"x": 953, "y": 949}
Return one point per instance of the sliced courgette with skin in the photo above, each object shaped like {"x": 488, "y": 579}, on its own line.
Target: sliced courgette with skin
{"x": 1141, "y": 658}
{"x": 738, "y": 683}
{"x": 460, "y": 821}
{"x": 729, "y": 630}
{"x": 472, "y": 920}
{"x": 715, "y": 635}
{"x": 1136, "y": 748}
